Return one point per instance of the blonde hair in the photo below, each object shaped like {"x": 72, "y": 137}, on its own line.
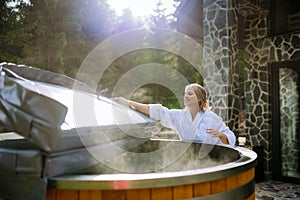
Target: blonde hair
{"x": 201, "y": 96}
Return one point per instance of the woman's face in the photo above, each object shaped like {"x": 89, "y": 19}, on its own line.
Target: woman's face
{"x": 190, "y": 98}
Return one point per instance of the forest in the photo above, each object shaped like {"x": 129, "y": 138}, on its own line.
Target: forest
{"x": 57, "y": 35}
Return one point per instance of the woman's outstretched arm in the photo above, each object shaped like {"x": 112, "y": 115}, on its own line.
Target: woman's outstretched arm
{"x": 141, "y": 107}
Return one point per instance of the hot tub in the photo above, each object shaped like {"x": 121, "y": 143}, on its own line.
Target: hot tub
{"x": 108, "y": 154}
{"x": 195, "y": 170}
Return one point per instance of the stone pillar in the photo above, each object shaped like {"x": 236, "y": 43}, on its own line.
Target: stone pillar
{"x": 220, "y": 71}
{"x": 257, "y": 76}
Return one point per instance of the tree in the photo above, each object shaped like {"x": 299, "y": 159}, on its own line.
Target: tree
{"x": 58, "y": 35}
{"x": 160, "y": 93}
{"x": 160, "y": 18}
{"x": 11, "y": 36}
{"x": 47, "y": 40}
{"x": 127, "y": 21}
{"x": 62, "y": 33}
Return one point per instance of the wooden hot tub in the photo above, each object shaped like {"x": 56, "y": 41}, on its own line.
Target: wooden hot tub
{"x": 164, "y": 169}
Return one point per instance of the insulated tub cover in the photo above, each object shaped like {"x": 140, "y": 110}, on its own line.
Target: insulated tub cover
{"x": 43, "y": 107}
{"x": 19, "y": 157}
{"x": 25, "y": 169}
{"x": 21, "y": 166}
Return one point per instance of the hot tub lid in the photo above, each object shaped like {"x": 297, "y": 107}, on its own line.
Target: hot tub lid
{"x": 57, "y": 117}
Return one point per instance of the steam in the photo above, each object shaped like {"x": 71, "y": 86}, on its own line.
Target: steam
{"x": 150, "y": 157}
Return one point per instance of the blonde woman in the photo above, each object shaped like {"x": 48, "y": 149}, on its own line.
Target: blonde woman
{"x": 196, "y": 122}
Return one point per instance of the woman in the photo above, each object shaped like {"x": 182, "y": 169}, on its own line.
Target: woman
{"x": 193, "y": 123}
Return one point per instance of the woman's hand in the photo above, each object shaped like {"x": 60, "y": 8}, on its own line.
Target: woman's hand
{"x": 213, "y": 132}
{"x": 121, "y": 100}
{"x": 140, "y": 107}
{"x": 218, "y": 134}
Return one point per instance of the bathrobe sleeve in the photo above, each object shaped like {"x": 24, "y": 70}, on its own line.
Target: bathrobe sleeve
{"x": 167, "y": 117}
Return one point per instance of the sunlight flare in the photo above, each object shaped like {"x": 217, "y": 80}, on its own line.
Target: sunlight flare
{"x": 140, "y": 8}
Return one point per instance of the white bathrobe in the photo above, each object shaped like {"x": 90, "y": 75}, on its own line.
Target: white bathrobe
{"x": 191, "y": 130}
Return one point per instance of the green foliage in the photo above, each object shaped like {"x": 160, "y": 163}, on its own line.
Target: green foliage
{"x": 150, "y": 93}
{"x": 57, "y": 35}
{"x": 11, "y": 37}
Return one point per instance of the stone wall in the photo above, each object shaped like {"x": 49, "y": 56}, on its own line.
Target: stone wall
{"x": 257, "y": 76}
{"x": 220, "y": 44}
{"x": 220, "y": 58}
{"x": 260, "y": 51}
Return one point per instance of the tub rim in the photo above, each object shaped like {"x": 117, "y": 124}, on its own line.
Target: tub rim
{"x": 124, "y": 181}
